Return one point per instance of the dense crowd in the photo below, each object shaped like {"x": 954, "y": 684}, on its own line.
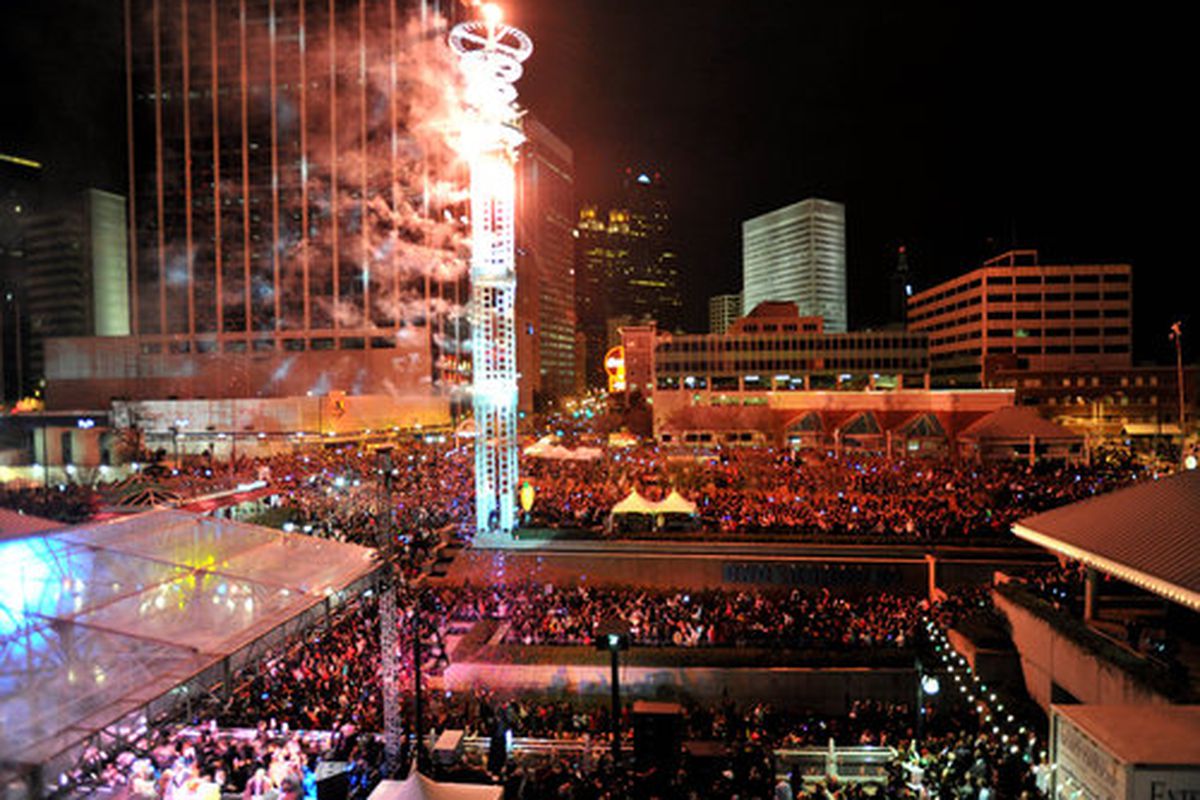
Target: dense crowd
{"x": 329, "y": 679}
{"x": 767, "y": 490}
{"x": 66, "y": 503}
{"x": 206, "y": 763}
{"x": 349, "y": 491}
{"x": 753, "y": 752}
{"x": 568, "y": 615}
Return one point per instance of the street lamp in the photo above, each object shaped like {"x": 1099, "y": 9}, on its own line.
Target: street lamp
{"x": 613, "y": 636}
{"x": 176, "y": 432}
{"x": 1177, "y": 337}
{"x": 928, "y": 685}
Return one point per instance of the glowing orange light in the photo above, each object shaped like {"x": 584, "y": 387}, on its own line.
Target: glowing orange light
{"x": 492, "y": 14}
{"x": 614, "y": 365}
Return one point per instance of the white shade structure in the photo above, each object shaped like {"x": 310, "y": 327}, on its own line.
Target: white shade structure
{"x": 101, "y": 624}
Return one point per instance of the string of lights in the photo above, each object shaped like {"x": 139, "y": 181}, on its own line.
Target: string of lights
{"x": 994, "y": 715}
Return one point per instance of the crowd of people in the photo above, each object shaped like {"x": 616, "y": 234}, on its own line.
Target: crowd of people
{"x": 765, "y": 490}
{"x": 348, "y": 491}
{"x": 330, "y": 678}
{"x": 543, "y": 613}
{"x": 208, "y": 763}
{"x": 416, "y": 493}
{"x": 67, "y": 503}
{"x": 752, "y": 750}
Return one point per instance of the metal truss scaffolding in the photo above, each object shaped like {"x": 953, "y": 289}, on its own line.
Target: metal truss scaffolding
{"x": 490, "y": 56}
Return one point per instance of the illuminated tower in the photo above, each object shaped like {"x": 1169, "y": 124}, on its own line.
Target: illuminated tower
{"x": 490, "y": 56}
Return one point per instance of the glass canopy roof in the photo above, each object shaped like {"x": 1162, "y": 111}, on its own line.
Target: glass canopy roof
{"x": 98, "y": 620}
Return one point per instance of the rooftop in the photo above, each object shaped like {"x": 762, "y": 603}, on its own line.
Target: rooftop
{"x": 1145, "y": 535}
{"x": 100, "y": 620}
{"x": 1145, "y": 735}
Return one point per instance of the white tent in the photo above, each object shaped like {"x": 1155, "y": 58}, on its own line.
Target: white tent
{"x": 634, "y": 504}
{"x": 547, "y": 448}
{"x": 540, "y": 446}
{"x": 418, "y": 787}
{"x": 675, "y": 503}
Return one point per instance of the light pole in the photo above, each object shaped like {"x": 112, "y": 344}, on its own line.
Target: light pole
{"x": 927, "y": 685}
{"x": 613, "y": 636}
{"x": 176, "y": 432}
{"x": 418, "y": 700}
{"x": 1177, "y": 337}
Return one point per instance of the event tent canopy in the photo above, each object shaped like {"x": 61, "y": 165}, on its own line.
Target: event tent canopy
{"x": 674, "y": 503}
{"x": 418, "y": 787}
{"x": 547, "y": 447}
{"x": 100, "y": 620}
{"x": 634, "y": 504}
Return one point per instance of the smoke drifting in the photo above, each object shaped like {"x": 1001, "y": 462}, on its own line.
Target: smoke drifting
{"x": 386, "y": 166}
{"x": 308, "y": 178}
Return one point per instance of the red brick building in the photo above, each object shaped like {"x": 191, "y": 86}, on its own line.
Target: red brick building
{"x": 1015, "y": 313}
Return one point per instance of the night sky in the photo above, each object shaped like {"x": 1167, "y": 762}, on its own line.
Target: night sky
{"x": 957, "y": 129}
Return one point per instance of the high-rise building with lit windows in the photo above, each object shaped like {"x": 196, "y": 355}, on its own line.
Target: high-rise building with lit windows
{"x": 546, "y": 318}
{"x": 20, "y": 191}
{"x": 626, "y": 265}
{"x": 1016, "y": 314}
{"x": 290, "y": 209}
{"x": 723, "y": 309}
{"x": 266, "y": 140}
{"x": 645, "y": 285}
{"x": 798, "y": 254}
{"x": 76, "y": 271}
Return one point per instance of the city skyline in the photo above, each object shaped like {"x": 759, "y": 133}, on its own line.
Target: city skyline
{"x": 361, "y": 434}
{"x": 883, "y": 126}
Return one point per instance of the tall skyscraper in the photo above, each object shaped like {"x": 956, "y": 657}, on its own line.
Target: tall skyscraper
{"x": 76, "y": 271}
{"x": 592, "y": 257}
{"x": 723, "y": 309}
{"x": 291, "y": 189}
{"x": 646, "y": 284}
{"x": 546, "y": 318}
{"x": 798, "y": 253}
{"x": 900, "y": 288}
{"x": 626, "y": 265}
{"x": 20, "y": 189}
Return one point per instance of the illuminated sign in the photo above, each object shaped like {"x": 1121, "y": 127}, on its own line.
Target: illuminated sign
{"x": 614, "y": 366}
